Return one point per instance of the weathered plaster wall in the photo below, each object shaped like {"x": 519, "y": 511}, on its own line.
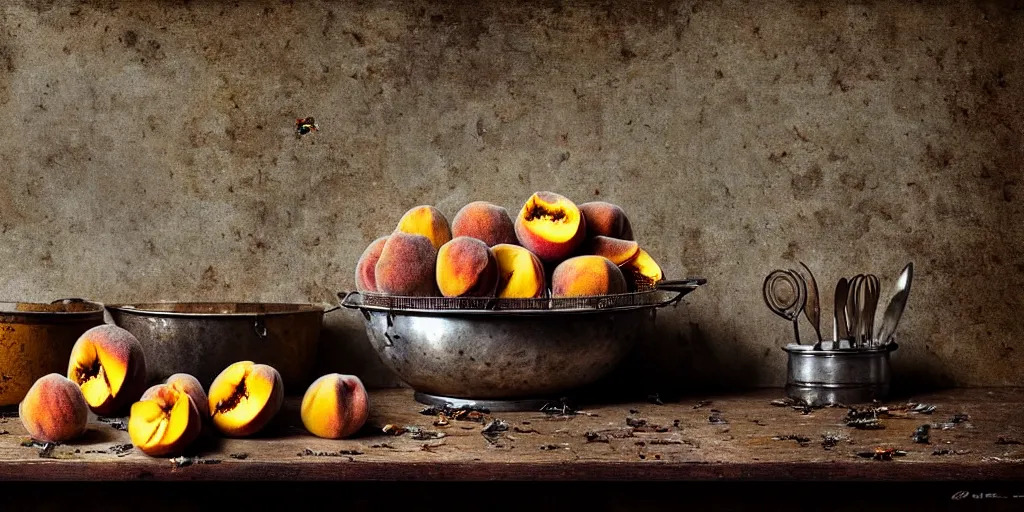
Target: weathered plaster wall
{"x": 149, "y": 153}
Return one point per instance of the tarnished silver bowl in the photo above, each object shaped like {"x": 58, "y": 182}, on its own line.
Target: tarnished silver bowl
{"x": 493, "y": 352}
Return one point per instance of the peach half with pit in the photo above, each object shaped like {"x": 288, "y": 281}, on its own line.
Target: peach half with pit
{"x": 245, "y": 397}
{"x": 587, "y": 275}
{"x": 427, "y": 221}
{"x": 520, "y": 272}
{"x": 335, "y": 406}
{"x": 406, "y": 266}
{"x": 366, "y": 267}
{"x": 486, "y": 222}
{"x": 54, "y": 409}
{"x": 466, "y": 267}
{"x": 164, "y": 422}
{"x": 617, "y": 250}
{"x": 550, "y": 226}
{"x": 108, "y": 363}
{"x": 606, "y": 219}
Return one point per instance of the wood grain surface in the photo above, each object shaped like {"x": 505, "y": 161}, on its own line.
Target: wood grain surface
{"x": 974, "y": 435}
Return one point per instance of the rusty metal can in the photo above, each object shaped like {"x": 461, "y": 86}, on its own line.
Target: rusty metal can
{"x": 36, "y": 339}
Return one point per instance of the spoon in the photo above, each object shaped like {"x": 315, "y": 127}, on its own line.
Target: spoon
{"x": 894, "y": 310}
{"x": 786, "y": 303}
{"x": 812, "y": 309}
{"x": 853, "y": 308}
{"x": 839, "y": 331}
{"x": 871, "y": 287}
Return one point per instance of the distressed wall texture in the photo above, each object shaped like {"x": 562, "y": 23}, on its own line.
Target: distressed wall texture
{"x": 149, "y": 153}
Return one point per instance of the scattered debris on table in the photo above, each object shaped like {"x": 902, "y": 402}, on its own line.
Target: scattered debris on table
{"x": 800, "y": 440}
{"x": 865, "y": 419}
{"x": 307, "y": 452}
{"x": 239, "y": 456}
{"x": 921, "y": 408}
{"x": 394, "y": 430}
{"x": 494, "y": 430}
{"x": 121, "y": 449}
{"x": 636, "y": 422}
{"x": 830, "y": 440}
{"x": 183, "y": 462}
{"x": 716, "y": 418}
{"x": 117, "y": 423}
{"x": 418, "y": 434}
{"x": 883, "y": 454}
{"x": 447, "y": 413}
{"x": 955, "y": 421}
{"x": 552, "y": 446}
{"x": 920, "y": 435}
{"x": 948, "y": 451}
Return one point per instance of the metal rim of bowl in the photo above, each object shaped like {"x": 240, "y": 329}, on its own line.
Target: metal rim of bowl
{"x": 8, "y": 309}
{"x": 282, "y": 308}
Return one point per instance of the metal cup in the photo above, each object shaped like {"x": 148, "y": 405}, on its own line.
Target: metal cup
{"x": 837, "y": 376}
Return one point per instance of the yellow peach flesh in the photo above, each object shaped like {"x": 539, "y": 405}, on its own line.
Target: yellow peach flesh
{"x": 551, "y": 220}
{"x": 241, "y": 394}
{"x": 99, "y": 373}
{"x": 642, "y": 270}
{"x": 160, "y": 424}
{"x": 520, "y": 273}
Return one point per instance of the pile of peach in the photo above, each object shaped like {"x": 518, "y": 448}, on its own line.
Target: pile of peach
{"x": 106, "y": 375}
{"x": 553, "y": 248}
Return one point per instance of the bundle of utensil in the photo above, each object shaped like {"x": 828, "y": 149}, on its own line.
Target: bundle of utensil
{"x": 788, "y": 293}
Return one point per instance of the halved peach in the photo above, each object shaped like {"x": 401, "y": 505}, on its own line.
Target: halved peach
{"x": 165, "y": 422}
{"x": 550, "y": 226}
{"x": 54, "y": 409}
{"x": 335, "y": 406}
{"x": 520, "y": 272}
{"x": 187, "y": 384}
{"x": 366, "y": 280}
{"x": 108, "y": 363}
{"x": 642, "y": 272}
{"x": 587, "y": 275}
{"x": 245, "y": 397}
{"x": 407, "y": 266}
{"x": 484, "y": 221}
{"x": 427, "y": 221}
{"x": 606, "y": 219}
{"x": 466, "y": 268}
{"x": 615, "y": 249}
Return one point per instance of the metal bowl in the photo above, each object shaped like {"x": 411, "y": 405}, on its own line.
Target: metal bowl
{"x": 475, "y": 355}
{"x": 203, "y": 338}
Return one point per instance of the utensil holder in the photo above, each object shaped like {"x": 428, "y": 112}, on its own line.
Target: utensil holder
{"x": 830, "y": 376}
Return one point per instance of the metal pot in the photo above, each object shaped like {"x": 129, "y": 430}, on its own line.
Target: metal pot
{"x": 830, "y": 376}
{"x": 496, "y": 357}
{"x": 203, "y": 338}
{"x": 36, "y": 340}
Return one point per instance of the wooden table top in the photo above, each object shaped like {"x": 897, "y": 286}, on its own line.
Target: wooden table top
{"x": 974, "y": 435}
